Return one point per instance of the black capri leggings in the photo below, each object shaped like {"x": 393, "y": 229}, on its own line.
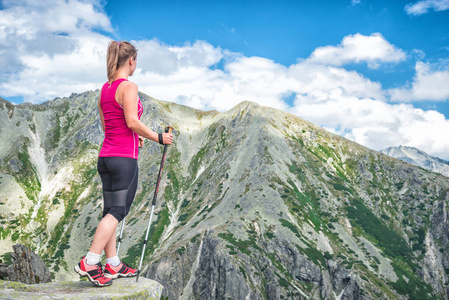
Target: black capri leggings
{"x": 119, "y": 178}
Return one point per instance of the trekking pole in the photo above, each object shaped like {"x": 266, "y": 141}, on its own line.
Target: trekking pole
{"x": 168, "y": 129}
{"x": 120, "y": 236}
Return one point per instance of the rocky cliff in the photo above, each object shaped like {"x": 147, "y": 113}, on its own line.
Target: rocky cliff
{"x": 254, "y": 203}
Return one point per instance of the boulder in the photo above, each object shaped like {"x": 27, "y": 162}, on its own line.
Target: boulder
{"x": 26, "y": 267}
{"x": 123, "y": 288}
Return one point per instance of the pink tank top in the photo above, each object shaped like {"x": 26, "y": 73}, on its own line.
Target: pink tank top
{"x": 119, "y": 140}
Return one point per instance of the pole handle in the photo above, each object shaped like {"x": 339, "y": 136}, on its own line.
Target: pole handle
{"x": 168, "y": 129}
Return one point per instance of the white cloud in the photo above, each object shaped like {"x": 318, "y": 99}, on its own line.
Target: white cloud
{"x": 423, "y": 7}
{"x": 201, "y": 87}
{"x": 428, "y": 85}
{"x": 373, "y": 50}
{"x": 46, "y": 77}
{"x": 155, "y": 56}
{"x": 43, "y": 61}
{"x": 50, "y": 48}
{"x": 377, "y": 124}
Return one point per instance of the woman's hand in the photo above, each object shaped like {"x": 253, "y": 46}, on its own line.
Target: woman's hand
{"x": 140, "y": 141}
{"x": 167, "y": 138}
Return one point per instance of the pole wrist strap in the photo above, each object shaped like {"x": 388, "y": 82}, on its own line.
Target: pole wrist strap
{"x": 161, "y": 140}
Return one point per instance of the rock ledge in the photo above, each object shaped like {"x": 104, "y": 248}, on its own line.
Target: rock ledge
{"x": 123, "y": 288}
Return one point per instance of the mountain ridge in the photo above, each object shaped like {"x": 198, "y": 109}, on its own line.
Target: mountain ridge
{"x": 254, "y": 203}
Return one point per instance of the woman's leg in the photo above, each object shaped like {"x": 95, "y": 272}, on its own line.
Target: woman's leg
{"x": 106, "y": 227}
{"x": 110, "y": 249}
{"x": 118, "y": 198}
{"x": 103, "y": 235}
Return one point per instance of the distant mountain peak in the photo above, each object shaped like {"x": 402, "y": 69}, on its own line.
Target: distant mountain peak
{"x": 419, "y": 158}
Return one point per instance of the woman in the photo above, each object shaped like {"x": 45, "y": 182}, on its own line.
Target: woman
{"x": 120, "y": 110}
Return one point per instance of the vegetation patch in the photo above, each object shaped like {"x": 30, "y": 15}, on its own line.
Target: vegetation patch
{"x": 301, "y": 203}
{"x": 222, "y": 143}
{"x": 183, "y": 217}
{"x": 6, "y": 258}
{"x": 419, "y": 240}
{"x": 241, "y": 245}
{"x": 340, "y": 187}
{"x": 315, "y": 255}
{"x": 290, "y": 226}
{"x": 409, "y": 284}
{"x": 185, "y": 202}
{"x": 181, "y": 250}
{"x": 193, "y": 240}
{"x": 393, "y": 244}
{"x": 243, "y": 271}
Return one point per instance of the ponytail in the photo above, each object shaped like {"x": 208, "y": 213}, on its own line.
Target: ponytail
{"x": 118, "y": 55}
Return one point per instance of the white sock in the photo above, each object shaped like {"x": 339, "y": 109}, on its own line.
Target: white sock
{"x": 113, "y": 261}
{"x": 93, "y": 258}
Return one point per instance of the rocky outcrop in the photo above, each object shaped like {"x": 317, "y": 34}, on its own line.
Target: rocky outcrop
{"x": 26, "y": 267}
{"x": 214, "y": 274}
{"x": 436, "y": 260}
{"x": 174, "y": 270}
{"x": 217, "y": 277}
{"x": 124, "y": 288}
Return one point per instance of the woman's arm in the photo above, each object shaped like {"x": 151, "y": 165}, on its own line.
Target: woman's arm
{"x": 129, "y": 93}
{"x": 101, "y": 112}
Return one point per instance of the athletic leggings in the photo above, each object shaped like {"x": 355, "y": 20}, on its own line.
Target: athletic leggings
{"x": 119, "y": 178}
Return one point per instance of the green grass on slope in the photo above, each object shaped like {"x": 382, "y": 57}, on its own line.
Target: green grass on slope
{"x": 395, "y": 247}
{"x": 393, "y": 244}
{"x": 409, "y": 284}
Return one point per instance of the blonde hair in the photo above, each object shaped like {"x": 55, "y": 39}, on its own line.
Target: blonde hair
{"x": 118, "y": 55}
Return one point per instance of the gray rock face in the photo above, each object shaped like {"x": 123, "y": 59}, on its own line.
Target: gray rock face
{"x": 216, "y": 276}
{"x": 26, "y": 267}
{"x": 436, "y": 258}
{"x": 174, "y": 271}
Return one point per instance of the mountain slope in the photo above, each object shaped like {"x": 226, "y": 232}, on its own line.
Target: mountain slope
{"x": 419, "y": 158}
{"x": 254, "y": 203}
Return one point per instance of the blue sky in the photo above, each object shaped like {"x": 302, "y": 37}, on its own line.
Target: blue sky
{"x": 280, "y": 30}
{"x": 375, "y": 72}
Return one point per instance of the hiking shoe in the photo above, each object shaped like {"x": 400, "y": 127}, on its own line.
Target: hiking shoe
{"x": 94, "y": 273}
{"x": 122, "y": 270}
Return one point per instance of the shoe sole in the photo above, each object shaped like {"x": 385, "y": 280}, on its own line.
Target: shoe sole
{"x": 93, "y": 281}
{"x": 107, "y": 275}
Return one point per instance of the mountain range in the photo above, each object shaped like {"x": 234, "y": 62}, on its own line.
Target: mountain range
{"x": 254, "y": 203}
{"x": 419, "y": 158}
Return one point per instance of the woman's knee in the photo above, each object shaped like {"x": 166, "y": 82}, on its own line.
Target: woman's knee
{"x": 118, "y": 212}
